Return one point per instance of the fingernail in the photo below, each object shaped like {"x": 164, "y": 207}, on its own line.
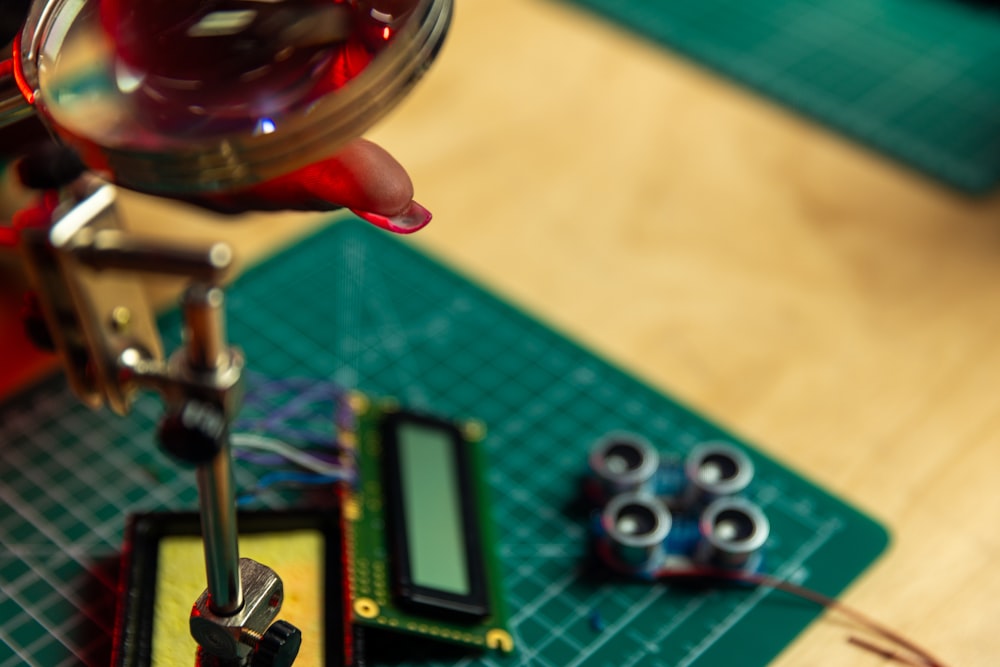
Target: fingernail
{"x": 413, "y": 218}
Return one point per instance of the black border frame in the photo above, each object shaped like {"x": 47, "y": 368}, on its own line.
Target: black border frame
{"x": 475, "y": 605}
{"x": 137, "y": 583}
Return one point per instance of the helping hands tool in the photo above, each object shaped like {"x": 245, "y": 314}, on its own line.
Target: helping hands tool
{"x": 83, "y": 265}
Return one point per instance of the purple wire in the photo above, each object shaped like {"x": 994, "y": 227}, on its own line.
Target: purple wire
{"x": 273, "y": 403}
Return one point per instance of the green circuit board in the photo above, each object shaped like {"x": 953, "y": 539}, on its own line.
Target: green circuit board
{"x": 373, "y": 558}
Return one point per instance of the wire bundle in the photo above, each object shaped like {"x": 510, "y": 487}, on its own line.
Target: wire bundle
{"x": 280, "y": 412}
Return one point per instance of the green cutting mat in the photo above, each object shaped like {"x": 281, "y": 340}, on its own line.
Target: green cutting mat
{"x": 918, "y": 80}
{"x": 353, "y": 305}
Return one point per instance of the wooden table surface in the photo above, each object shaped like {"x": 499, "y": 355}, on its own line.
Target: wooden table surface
{"x": 826, "y": 304}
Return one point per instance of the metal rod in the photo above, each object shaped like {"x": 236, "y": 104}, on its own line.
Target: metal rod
{"x": 205, "y": 328}
{"x": 122, "y": 251}
{"x": 205, "y": 340}
{"x": 217, "y": 501}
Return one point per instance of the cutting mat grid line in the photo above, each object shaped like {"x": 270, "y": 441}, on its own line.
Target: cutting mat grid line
{"x": 914, "y": 79}
{"x": 352, "y": 304}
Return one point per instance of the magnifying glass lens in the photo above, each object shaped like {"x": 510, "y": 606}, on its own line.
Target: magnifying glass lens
{"x": 198, "y": 67}
{"x": 207, "y": 94}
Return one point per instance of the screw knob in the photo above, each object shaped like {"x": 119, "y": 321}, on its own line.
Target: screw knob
{"x": 278, "y": 647}
{"x": 194, "y": 433}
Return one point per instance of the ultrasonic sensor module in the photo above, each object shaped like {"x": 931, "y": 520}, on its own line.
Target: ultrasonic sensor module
{"x": 654, "y": 516}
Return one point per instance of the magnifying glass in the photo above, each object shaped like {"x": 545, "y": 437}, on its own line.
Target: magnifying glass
{"x": 189, "y": 96}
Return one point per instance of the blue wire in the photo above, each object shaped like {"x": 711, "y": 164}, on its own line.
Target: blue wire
{"x": 287, "y": 477}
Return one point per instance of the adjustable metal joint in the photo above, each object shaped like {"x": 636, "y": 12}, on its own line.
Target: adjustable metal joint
{"x": 224, "y": 636}
{"x": 82, "y": 265}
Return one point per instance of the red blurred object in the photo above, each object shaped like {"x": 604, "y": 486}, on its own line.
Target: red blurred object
{"x": 8, "y": 237}
{"x": 21, "y": 363}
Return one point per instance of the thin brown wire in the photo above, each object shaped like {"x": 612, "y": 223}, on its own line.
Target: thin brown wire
{"x": 914, "y": 655}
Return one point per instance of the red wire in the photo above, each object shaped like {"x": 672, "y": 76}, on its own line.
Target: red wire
{"x": 919, "y": 657}
{"x": 22, "y": 85}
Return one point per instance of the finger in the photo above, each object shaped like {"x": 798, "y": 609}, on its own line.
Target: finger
{"x": 362, "y": 177}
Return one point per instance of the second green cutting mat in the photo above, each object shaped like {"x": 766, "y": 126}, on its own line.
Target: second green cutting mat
{"x": 918, "y": 80}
